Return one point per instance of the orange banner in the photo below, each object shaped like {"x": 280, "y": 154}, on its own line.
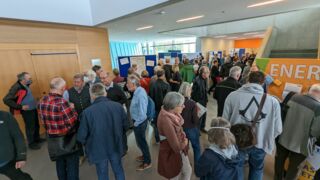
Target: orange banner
{"x": 303, "y": 72}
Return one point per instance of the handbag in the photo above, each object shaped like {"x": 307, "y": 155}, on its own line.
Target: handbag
{"x": 246, "y": 134}
{"x": 62, "y": 145}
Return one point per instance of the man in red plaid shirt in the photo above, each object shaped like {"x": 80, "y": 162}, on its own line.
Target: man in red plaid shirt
{"x": 59, "y": 118}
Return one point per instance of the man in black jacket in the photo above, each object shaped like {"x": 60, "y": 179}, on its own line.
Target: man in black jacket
{"x": 21, "y": 100}
{"x": 158, "y": 91}
{"x": 224, "y": 88}
{"x": 225, "y": 68}
{"x": 168, "y": 70}
{"x": 13, "y": 148}
{"x": 199, "y": 92}
{"x": 114, "y": 91}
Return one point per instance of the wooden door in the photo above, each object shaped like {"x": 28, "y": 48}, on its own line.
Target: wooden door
{"x": 50, "y": 64}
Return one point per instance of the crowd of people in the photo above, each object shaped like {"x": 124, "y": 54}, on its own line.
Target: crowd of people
{"x": 91, "y": 119}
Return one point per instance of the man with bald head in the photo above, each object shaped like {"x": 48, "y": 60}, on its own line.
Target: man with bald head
{"x": 60, "y": 119}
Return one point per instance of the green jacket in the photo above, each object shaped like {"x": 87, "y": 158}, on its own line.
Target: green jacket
{"x": 187, "y": 73}
{"x": 12, "y": 144}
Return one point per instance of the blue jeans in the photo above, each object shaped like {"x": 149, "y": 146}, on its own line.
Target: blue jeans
{"x": 68, "y": 167}
{"x": 193, "y": 134}
{"x": 140, "y": 135}
{"x": 116, "y": 164}
{"x": 256, "y": 162}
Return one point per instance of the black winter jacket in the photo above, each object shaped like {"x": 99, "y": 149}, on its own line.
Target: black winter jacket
{"x": 12, "y": 144}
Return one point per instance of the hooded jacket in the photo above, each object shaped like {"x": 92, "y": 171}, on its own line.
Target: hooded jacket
{"x": 242, "y": 105}
{"x": 212, "y": 166}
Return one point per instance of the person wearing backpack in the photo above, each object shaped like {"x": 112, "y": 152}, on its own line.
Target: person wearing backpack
{"x": 250, "y": 107}
{"x": 138, "y": 110}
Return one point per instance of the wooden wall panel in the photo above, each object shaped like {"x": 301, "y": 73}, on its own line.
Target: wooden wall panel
{"x": 19, "y": 38}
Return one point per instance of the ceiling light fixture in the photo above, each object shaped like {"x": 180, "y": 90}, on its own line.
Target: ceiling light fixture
{"x": 251, "y": 33}
{"x": 264, "y": 3}
{"x": 222, "y": 36}
{"x": 190, "y": 18}
{"x": 143, "y": 28}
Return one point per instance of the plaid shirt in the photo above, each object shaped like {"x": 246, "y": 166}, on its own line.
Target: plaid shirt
{"x": 56, "y": 114}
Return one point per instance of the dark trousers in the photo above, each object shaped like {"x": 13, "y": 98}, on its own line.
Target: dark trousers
{"x": 12, "y": 173}
{"x": 140, "y": 135}
{"x": 32, "y": 127}
{"x": 155, "y": 127}
{"x": 68, "y": 167}
{"x": 295, "y": 160}
{"x": 116, "y": 164}
{"x": 202, "y": 121}
{"x": 214, "y": 83}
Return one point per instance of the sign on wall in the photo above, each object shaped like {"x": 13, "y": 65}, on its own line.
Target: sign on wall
{"x": 290, "y": 74}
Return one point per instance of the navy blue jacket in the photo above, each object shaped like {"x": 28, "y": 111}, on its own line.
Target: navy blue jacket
{"x": 101, "y": 130}
{"x": 212, "y": 166}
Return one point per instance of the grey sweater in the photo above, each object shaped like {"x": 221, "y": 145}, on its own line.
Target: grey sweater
{"x": 301, "y": 124}
{"x": 241, "y": 106}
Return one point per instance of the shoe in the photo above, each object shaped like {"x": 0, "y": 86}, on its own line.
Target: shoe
{"x": 139, "y": 159}
{"x": 34, "y": 146}
{"x": 82, "y": 159}
{"x": 40, "y": 140}
{"x": 143, "y": 167}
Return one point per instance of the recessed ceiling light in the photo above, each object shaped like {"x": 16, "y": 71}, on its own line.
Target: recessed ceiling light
{"x": 251, "y": 33}
{"x": 222, "y": 36}
{"x": 143, "y": 28}
{"x": 190, "y": 18}
{"x": 264, "y": 3}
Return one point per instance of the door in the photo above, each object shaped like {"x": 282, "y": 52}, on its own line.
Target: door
{"x": 51, "y": 63}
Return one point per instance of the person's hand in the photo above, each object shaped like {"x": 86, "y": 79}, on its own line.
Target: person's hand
{"x": 25, "y": 107}
{"x": 20, "y": 164}
{"x": 71, "y": 105}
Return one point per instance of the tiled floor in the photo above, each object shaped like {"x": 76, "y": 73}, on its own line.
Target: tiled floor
{"x": 41, "y": 168}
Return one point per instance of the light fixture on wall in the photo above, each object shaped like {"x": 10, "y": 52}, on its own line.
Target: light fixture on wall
{"x": 251, "y": 33}
{"x": 144, "y": 28}
{"x": 221, "y": 36}
{"x": 190, "y": 18}
{"x": 264, "y": 3}
{"x": 232, "y": 37}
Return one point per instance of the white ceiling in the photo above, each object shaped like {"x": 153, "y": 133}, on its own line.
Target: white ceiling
{"x": 215, "y": 11}
{"x": 79, "y": 12}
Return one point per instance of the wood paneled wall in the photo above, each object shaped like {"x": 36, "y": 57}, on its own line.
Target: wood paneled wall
{"x": 18, "y": 39}
{"x": 91, "y": 42}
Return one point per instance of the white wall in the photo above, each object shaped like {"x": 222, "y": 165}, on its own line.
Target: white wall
{"x": 105, "y": 10}
{"x": 62, "y": 11}
{"x": 210, "y": 44}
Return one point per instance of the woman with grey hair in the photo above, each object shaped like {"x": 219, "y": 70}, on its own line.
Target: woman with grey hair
{"x": 191, "y": 120}
{"x": 173, "y": 161}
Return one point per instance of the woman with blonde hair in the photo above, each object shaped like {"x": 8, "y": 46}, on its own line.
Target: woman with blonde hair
{"x": 176, "y": 79}
{"x": 221, "y": 160}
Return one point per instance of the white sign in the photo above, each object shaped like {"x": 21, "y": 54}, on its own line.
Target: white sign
{"x": 150, "y": 63}
{"x": 124, "y": 61}
{"x": 96, "y": 62}
{"x": 291, "y": 87}
{"x": 140, "y": 62}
